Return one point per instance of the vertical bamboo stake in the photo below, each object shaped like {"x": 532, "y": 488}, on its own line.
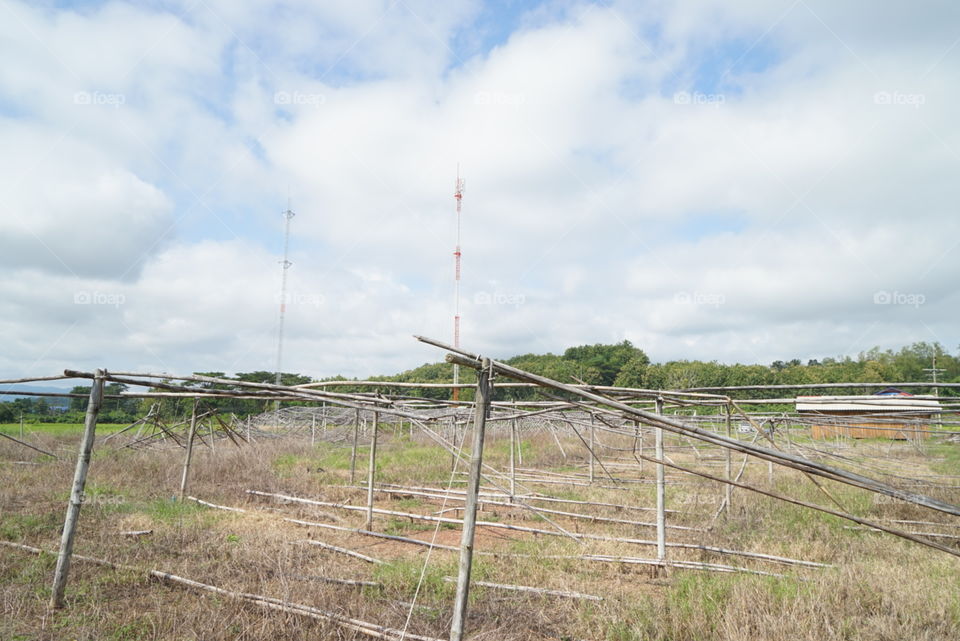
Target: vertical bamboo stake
{"x": 513, "y": 459}
{"x": 371, "y": 470}
{"x": 638, "y": 441}
{"x": 76, "y": 493}
{"x": 453, "y": 440}
{"x": 482, "y": 406}
{"x": 353, "y": 454}
{"x": 728, "y": 462}
{"x": 592, "y": 450}
{"x": 661, "y": 492}
{"x": 21, "y": 426}
{"x": 313, "y": 430}
{"x": 189, "y": 455}
{"x": 519, "y": 445}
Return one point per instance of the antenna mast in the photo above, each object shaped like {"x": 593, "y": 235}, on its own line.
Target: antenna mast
{"x": 284, "y": 265}
{"x": 935, "y": 370}
{"x": 458, "y": 196}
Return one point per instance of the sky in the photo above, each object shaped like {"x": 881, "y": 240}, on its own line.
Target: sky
{"x": 740, "y": 182}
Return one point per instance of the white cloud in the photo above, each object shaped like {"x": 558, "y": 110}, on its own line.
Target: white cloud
{"x": 710, "y": 181}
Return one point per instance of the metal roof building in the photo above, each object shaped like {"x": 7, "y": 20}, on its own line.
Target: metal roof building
{"x": 890, "y": 414}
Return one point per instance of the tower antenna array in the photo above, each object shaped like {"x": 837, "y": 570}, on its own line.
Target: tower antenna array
{"x": 284, "y": 265}
{"x": 458, "y": 197}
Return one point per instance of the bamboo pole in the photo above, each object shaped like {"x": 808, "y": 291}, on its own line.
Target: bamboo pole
{"x": 371, "y": 472}
{"x": 25, "y": 444}
{"x": 481, "y": 409}
{"x": 189, "y": 455}
{"x": 661, "y": 492}
{"x": 519, "y": 446}
{"x": 766, "y": 454}
{"x": 592, "y": 442}
{"x": 353, "y": 453}
{"x": 513, "y": 457}
{"x": 728, "y": 462}
{"x": 346, "y": 551}
{"x": 357, "y": 625}
{"x": 531, "y": 530}
{"x": 76, "y": 493}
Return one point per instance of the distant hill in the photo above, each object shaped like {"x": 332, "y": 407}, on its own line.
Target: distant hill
{"x": 62, "y": 403}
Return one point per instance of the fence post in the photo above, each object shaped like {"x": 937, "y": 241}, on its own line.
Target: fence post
{"x": 76, "y": 493}
{"x": 728, "y": 462}
{"x": 661, "y": 491}
{"x": 372, "y": 468}
{"x": 513, "y": 459}
{"x": 353, "y": 453}
{"x": 482, "y": 406}
{"x": 592, "y": 450}
{"x": 189, "y": 455}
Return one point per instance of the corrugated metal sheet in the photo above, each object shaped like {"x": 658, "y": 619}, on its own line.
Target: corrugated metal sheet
{"x": 870, "y": 404}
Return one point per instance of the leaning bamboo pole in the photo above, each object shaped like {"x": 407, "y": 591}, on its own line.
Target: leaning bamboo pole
{"x": 357, "y": 625}
{"x": 783, "y": 458}
{"x": 76, "y": 493}
{"x": 531, "y": 530}
{"x": 482, "y": 408}
{"x": 694, "y": 565}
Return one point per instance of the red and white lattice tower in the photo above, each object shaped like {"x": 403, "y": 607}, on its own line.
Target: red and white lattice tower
{"x": 458, "y": 196}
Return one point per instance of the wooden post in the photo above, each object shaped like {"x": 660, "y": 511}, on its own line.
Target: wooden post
{"x": 638, "y": 442}
{"x": 21, "y": 426}
{"x": 353, "y": 454}
{"x": 592, "y": 450}
{"x": 189, "y": 456}
{"x": 513, "y": 459}
{"x": 519, "y": 445}
{"x": 313, "y": 430}
{"x": 481, "y": 408}
{"x": 371, "y": 470}
{"x": 76, "y": 494}
{"x": 728, "y": 463}
{"x": 661, "y": 492}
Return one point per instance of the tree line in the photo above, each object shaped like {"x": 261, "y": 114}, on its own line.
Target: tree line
{"x": 621, "y": 364}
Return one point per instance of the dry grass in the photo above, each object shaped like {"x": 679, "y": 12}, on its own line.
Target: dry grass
{"x": 879, "y": 588}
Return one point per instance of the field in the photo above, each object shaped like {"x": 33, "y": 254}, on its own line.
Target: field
{"x": 56, "y": 429}
{"x": 876, "y": 586}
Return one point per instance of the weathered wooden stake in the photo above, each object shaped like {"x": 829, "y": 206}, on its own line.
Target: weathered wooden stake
{"x": 371, "y": 470}
{"x": 481, "y": 408}
{"x": 189, "y": 456}
{"x": 21, "y": 426}
{"x": 353, "y": 453}
{"x": 513, "y": 459}
{"x": 76, "y": 494}
{"x": 592, "y": 450}
{"x": 519, "y": 446}
{"x": 728, "y": 463}
{"x": 661, "y": 492}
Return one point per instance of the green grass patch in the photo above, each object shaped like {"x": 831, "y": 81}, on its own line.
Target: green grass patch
{"x": 57, "y": 429}
{"x": 949, "y": 458}
{"x": 402, "y": 576}
{"x": 18, "y": 527}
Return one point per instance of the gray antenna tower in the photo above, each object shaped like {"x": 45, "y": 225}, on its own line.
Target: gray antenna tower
{"x": 285, "y": 265}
